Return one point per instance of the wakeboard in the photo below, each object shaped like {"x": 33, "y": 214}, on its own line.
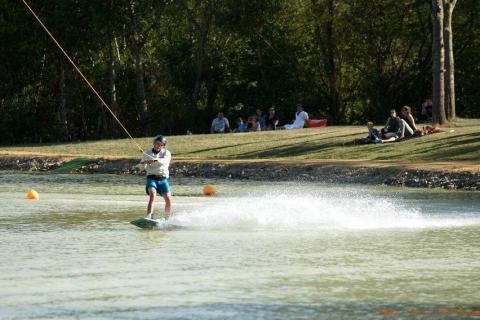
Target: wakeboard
{"x": 151, "y": 224}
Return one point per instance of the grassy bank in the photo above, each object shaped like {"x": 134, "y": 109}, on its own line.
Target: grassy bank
{"x": 459, "y": 141}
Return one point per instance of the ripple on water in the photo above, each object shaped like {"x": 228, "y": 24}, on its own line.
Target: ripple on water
{"x": 257, "y": 250}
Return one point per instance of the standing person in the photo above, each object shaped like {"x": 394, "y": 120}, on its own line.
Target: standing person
{"x": 220, "y": 124}
{"x": 260, "y": 117}
{"x": 271, "y": 120}
{"x": 300, "y": 118}
{"x": 156, "y": 162}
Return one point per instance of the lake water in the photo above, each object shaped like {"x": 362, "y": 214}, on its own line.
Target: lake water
{"x": 257, "y": 250}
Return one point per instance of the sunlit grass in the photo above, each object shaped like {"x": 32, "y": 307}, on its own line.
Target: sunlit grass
{"x": 459, "y": 141}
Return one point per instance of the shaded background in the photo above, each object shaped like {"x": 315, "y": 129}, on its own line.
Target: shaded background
{"x": 169, "y": 67}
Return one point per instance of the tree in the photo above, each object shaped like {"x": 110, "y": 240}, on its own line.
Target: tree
{"x": 348, "y": 61}
{"x": 467, "y": 58}
{"x": 202, "y": 17}
{"x": 448, "y": 7}
{"x": 138, "y": 38}
{"x": 438, "y": 56}
{"x": 325, "y": 38}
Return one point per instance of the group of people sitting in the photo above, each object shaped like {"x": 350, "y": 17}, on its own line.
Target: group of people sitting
{"x": 396, "y": 128}
{"x": 259, "y": 122}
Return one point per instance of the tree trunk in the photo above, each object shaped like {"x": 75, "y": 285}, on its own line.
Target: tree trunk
{"x": 37, "y": 135}
{"x": 438, "y": 87}
{"x": 112, "y": 74}
{"x": 141, "y": 100}
{"x": 265, "y": 83}
{"x": 331, "y": 67}
{"x": 112, "y": 90}
{"x": 101, "y": 123}
{"x": 449, "y": 5}
{"x": 199, "y": 61}
{"x": 199, "y": 69}
{"x": 142, "y": 107}
{"x": 212, "y": 90}
{"x": 326, "y": 40}
{"x": 62, "y": 105}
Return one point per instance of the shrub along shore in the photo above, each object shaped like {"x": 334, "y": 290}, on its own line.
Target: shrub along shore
{"x": 449, "y": 160}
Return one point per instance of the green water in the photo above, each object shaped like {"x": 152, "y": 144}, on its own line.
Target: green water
{"x": 257, "y": 250}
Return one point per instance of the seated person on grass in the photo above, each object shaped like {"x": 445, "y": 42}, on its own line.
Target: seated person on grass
{"x": 406, "y": 114}
{"x": 241, "y": 126}
{"x": 271, "y": 121}
{"x": 395, "y": 129}
{"x": 373, "y": 135}
{"x": 220, "y": 124}
{"x": 253, "y": 124}
{"x": 391, "y": 127}
{"x": 405, "y": 131}
{"x": 300, "y": 118}
{"x": 260, "y": 117}
{"x": 427, "y": 111}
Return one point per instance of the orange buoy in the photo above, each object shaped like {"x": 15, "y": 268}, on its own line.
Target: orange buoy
{"x": 208, "y": 190}
{"x": 32, "y": 195}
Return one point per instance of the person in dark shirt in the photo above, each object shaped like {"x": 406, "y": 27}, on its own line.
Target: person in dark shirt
{"x": 260, "y": 117}
{"x": 427, "y": 111}
{"x": 271, "y": 120}
{"x": 391, "y": 127}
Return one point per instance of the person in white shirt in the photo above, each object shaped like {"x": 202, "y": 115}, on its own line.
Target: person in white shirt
{"x": 300, "y": 118}
{"x": 156, "y": 163}
{"x": 220, "y": 124}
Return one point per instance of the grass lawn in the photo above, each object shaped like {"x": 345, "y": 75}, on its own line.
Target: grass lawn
{"x": 459, "y": 141}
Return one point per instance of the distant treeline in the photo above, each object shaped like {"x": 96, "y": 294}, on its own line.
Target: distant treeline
{"x": 170, "y": 66}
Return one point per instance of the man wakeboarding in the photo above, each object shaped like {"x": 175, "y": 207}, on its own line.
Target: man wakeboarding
{"x": 156, "y": 163}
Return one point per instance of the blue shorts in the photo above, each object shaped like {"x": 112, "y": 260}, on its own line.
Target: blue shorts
{"x": 161, "y": 186}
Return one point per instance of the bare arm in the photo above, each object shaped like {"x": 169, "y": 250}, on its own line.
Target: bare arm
{"x": 412, "y": 121}
{"x": 227, "y": 125}
{"x": 148, "y": 159}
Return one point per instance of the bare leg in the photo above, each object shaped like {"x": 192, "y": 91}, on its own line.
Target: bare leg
{"x": 168, "y": 204}
{"x": 405, "y": 129}
{"x": 392, "y": 139}
{"x": 389, "y": 137}
{"x": 151, "y": 201}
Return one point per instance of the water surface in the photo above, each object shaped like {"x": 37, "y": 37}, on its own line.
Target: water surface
{"x": 257, "y": 250}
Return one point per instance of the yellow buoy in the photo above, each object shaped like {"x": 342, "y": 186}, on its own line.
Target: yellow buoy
{"x": 208, "y": 190}
{"x": 32, "y": 195}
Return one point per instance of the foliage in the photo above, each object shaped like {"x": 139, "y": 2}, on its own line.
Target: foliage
{"x": 348, "y": 61}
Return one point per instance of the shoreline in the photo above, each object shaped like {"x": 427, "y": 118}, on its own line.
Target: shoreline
{"x": 450, "y": 176}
